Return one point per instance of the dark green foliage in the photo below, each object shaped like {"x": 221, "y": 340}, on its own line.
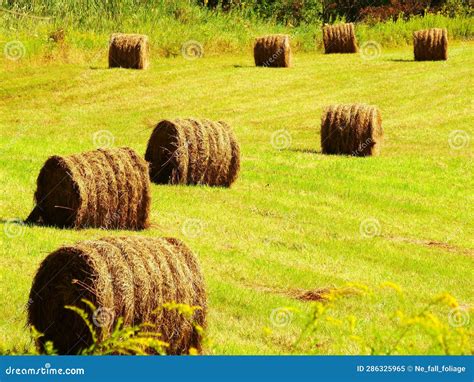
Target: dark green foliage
{"x": 296, "y": 12}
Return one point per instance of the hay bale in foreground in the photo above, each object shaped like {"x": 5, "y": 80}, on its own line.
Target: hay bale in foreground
{"x": 128, "y": 51}
{"x": 352, "y": 130}
{"x": 430, "y": 44}
{"x": 272, "y": 51}
{"x": 106, "y": 188}
{"x": 189, "y": 151}
{"x": 339, "y": 38}
{"x": 128, "y": 277}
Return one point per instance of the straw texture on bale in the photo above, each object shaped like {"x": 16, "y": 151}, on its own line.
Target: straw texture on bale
{"x": 106, "y": 188}
{"x": 431, "y": 44}
{"x": 189, "y": 151}
{"x": 128, "y": 51}
{"x": 58, "y": 35}
{"x": 272, "y": 51}
{"x": 351, "y": 129}
{"x": 128, "y": 277}
{"x": 339, "y": 38}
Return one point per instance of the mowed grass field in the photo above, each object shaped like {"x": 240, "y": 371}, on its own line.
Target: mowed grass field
{"x": 295, "y": 219}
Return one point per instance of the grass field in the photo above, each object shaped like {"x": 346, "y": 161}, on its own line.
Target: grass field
{"x": 295, "y": 219}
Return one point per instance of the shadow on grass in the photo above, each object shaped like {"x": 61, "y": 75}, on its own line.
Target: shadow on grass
{"x": 400, "y": 60}
{"x": 24, "y": 222}
{"x": 305, "y": 151}
{"x": 4, "y": 221}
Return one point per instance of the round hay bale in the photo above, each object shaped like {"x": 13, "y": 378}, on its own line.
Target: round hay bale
{"x": 431, "y": 44}
{"x": 128, "y": 277}
{"x": 272, "y": 51}
{"x": 106, "y": 188}
{"x": 58, "y": 35}
{"x": 128, "y": 51}
{"x": 190, "y": 151}
{"x": 339, "y": 38}
{"x": 352, "y": 130}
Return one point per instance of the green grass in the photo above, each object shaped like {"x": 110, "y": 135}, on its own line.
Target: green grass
{"x": 292, "y": 220}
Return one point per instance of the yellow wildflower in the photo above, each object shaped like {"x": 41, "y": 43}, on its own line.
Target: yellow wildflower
{"x": 352, "y": 322}
{"x": 334, "y": 321}
{"x": 267, "y": 331}
{"x": 391, "y": 285}
{"x": 446, "y": 298}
